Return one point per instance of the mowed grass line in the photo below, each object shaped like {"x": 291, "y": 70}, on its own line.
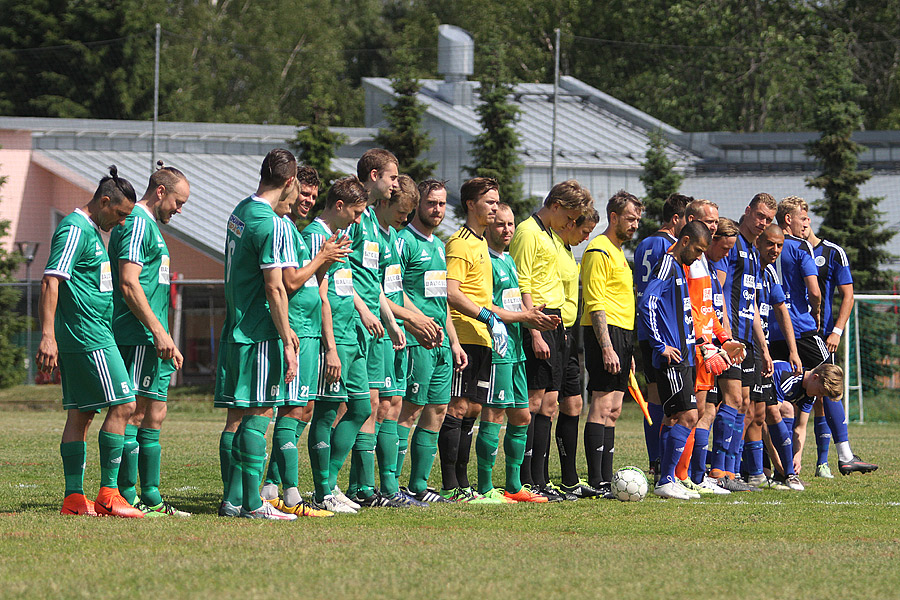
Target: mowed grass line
{"x": 839, "y": 539}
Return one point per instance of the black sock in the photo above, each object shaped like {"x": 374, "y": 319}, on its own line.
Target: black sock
{"x": 609, "y": 447}
{"x": 593, "y": 451}
{"x": 539, "y": 449}
{"x": 448, "y": 444}
{"x": 567, "y": 444}
{"x": 547, "y": 453}
{"x": 529, "y": 450}
{"x": 465, "y": 448}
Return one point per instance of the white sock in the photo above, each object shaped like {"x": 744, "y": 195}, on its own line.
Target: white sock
{"x": 269, "y": 491}
{"x": 291, "y": 496}
{"x": 844, "y": 452}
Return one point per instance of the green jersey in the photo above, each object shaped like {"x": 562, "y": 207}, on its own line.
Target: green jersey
{"x": 305, "y": 308}
{"x": 255, "y": 240}
{"x": 389, "y": 266}
{"x": 84, "y": 306}
{"x": 341, "y": 283}
{"x": 423, "y": 266}
{"x": 365, "y": 255}
{"x": 508, "y": 297}
{"x": 139, "y": 241}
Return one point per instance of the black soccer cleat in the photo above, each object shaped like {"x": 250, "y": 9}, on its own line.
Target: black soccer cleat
{"x": 856, "y": 464}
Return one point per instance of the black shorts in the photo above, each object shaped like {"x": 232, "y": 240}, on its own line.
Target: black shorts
{"x": 599, "y": 379}
{"x": 546, "y": 374}
{"x": 762, "y": 390}
{"x": 713, "y": 396}
{"x": 572, "y": 383}
{"x": 744, "y": 371}
{"x": 474, "y": 381}
{"x": 650, "y": 372}
{"x": 676, "y": 389}
{"x": 810, "y": 347}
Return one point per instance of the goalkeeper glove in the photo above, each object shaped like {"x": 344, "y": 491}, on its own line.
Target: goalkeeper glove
{"x": 498, "y": 331}
{"x": 715, "y": 359}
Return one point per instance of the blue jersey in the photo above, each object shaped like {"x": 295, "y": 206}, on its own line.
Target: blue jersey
{"x": 770, "y": 294}
{"x": 788, "y": 386}
{"x": 741, "y": 268}
{"x": 794, "y": 265}
{"x": 646, "y": 255}
{"x": 665, "y": 310}
{"x": 834, "y": 270}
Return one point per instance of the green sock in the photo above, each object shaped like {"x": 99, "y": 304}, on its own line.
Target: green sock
{"x": 148, "y": 465}
{"x": 111, "y": 445}
{"x": 301, "y": 425}
{"x": 253, "y": 459}
{"x": 128, "y": 468}
{"x": 74, "y": 455}
{"x": 365, "y": 446}
{"x": 514, "y": 447}
{"x": 284, "y": 451}
{"x": 402, "y": 446}
{"x": 386, "y": 450}
{"x": 344, "y": 435}
{"x": 424, "y": 448}
{"x": 234, "y": 489}
{"x": 319, "y": 443}
{"x": 486, "y": 445}
{"x": 225, "y": 442}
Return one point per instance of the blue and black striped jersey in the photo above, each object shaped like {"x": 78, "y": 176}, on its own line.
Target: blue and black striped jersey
{"x": 794, "y": 265}
{"x": 741, "y": 268}
{"x": 834, "y": 270}
{"x": 770, "y": 294}
{"x": 665, "y": 310}
{"x": 646, "y": 255}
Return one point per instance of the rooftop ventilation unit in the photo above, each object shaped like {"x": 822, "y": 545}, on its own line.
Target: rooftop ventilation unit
{"x": 456, "y": 61}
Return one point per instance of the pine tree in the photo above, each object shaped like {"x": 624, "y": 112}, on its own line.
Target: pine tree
{"x": 495, "y": 149}
{"x": 847, "y": 219}
{"x": 316, "y": 145}
{"x": 660, "y": 181}
{"x": 12, "y": 324}
{"x": 404, "y": 135}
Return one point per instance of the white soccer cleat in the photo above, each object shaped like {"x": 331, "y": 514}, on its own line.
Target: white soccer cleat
{"x": 793, "y": 482}
{"x": 339, "y": 495}
{"x": 670, "y": 490}
{"x": 331, "y": 503}
{"x": 710, "y": 484}
{"x": 267, "y": 511}
{"x": 692, "y": 494}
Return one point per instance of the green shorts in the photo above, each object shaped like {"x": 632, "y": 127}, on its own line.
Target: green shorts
{"x": 509, "y": 386}
{"x": 149, "y": 374}
{"x": 353, "y": 383}
{"x": 250, "y": 375}
{"x": 303, "y": 388}
{"x": 94, "y": 380}
{"x": 372, "y": 350}
{"x": 394, "y": 370}
{"x": 430, "y": 372}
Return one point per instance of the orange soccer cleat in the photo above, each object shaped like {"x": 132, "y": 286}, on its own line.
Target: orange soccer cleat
{"x": 110, "y": 502}
{"x": 78, "y": 504}
{"x": 525, "y": 495}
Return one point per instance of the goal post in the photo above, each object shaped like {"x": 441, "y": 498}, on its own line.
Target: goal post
{"x": 871, "y": 355}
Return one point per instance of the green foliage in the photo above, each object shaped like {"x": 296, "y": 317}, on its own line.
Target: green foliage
{"x": 316, "y": 146}
{"x": 847, "y": 219}
{"x": 660, "y": 181}
{"x": 495, "y": 149}
{"x": 404, "y": 135}
{"x": 12, "y": 356}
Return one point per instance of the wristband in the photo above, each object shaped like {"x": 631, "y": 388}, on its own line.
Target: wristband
{"x": 837, "y": 331}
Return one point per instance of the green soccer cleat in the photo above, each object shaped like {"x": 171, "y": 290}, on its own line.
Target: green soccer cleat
{"x": 163, "y": 509}
{"x": 488, "y": 498}
{"x": 824, "y": 471}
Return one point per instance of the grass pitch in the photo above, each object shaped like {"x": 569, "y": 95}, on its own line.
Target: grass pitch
{"x": 839, "y": 539}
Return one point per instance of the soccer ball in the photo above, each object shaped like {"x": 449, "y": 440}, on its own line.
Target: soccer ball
{"x": 629, "y": 484}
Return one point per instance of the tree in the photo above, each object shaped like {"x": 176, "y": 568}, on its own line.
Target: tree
{"x": 660, "y": 181}
{"x": 847, "y": 219}
{"x": 495, "y": 149}
{"x": 12, "y": 324}
{"x": 404, "y": 136}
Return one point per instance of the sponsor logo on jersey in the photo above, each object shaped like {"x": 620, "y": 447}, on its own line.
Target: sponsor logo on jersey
{"x": 235, "y": 226}
{"x": 707, "y": 294}
{"x": 749, "y": 281}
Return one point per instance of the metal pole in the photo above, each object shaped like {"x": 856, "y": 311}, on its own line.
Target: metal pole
{"x": 555, "y": 108}
{"x": 155, "y": 103}
{"x": 28, "y": 313}
{"x": 847, "y": 362}
{"x": 858, "y": 369}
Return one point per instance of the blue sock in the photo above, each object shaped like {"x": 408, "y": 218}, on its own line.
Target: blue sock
{"x": 834, "y": 413}
{"x": 739, "y": 456}
{"x": 722, "y": 427}
{"x": 676, "y": 439}
{"x": 734, "y": 442}
{"x": 664, "y": 433}
{"x": 823, "y": 440}
{"x": 753, "y": 457}
{"x": 651, "y": 432}
{"x": 698, "y": 458}
{"x": 789, "y": 423}
{"x": 781, "y": 438}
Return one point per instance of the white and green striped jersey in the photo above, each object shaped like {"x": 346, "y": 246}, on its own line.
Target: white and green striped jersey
{"x": 140, "y": 241}
{"x": 365, "y": 255}
{"x": 507, "y": 296}
{"x": 423, "y": 266}
{"x": 341, "y": 283}
{"x": 84, "y": 307}
{"x": 389, "y": 266}
{"x": 305, "y": 308}
{"x": 255, "y": 240}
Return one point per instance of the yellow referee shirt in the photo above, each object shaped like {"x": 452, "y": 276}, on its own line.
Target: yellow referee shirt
{"x": 568, "y": 272}
{"x": 607, "y": 283}
{"x": 536, "y": 253}
{"x": 469, "y": 263}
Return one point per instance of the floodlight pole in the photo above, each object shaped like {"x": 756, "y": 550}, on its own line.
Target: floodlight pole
{"x": 155, "y": 103}
{"x": 555, "y": 105}
{"x": 28, "y": 250}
